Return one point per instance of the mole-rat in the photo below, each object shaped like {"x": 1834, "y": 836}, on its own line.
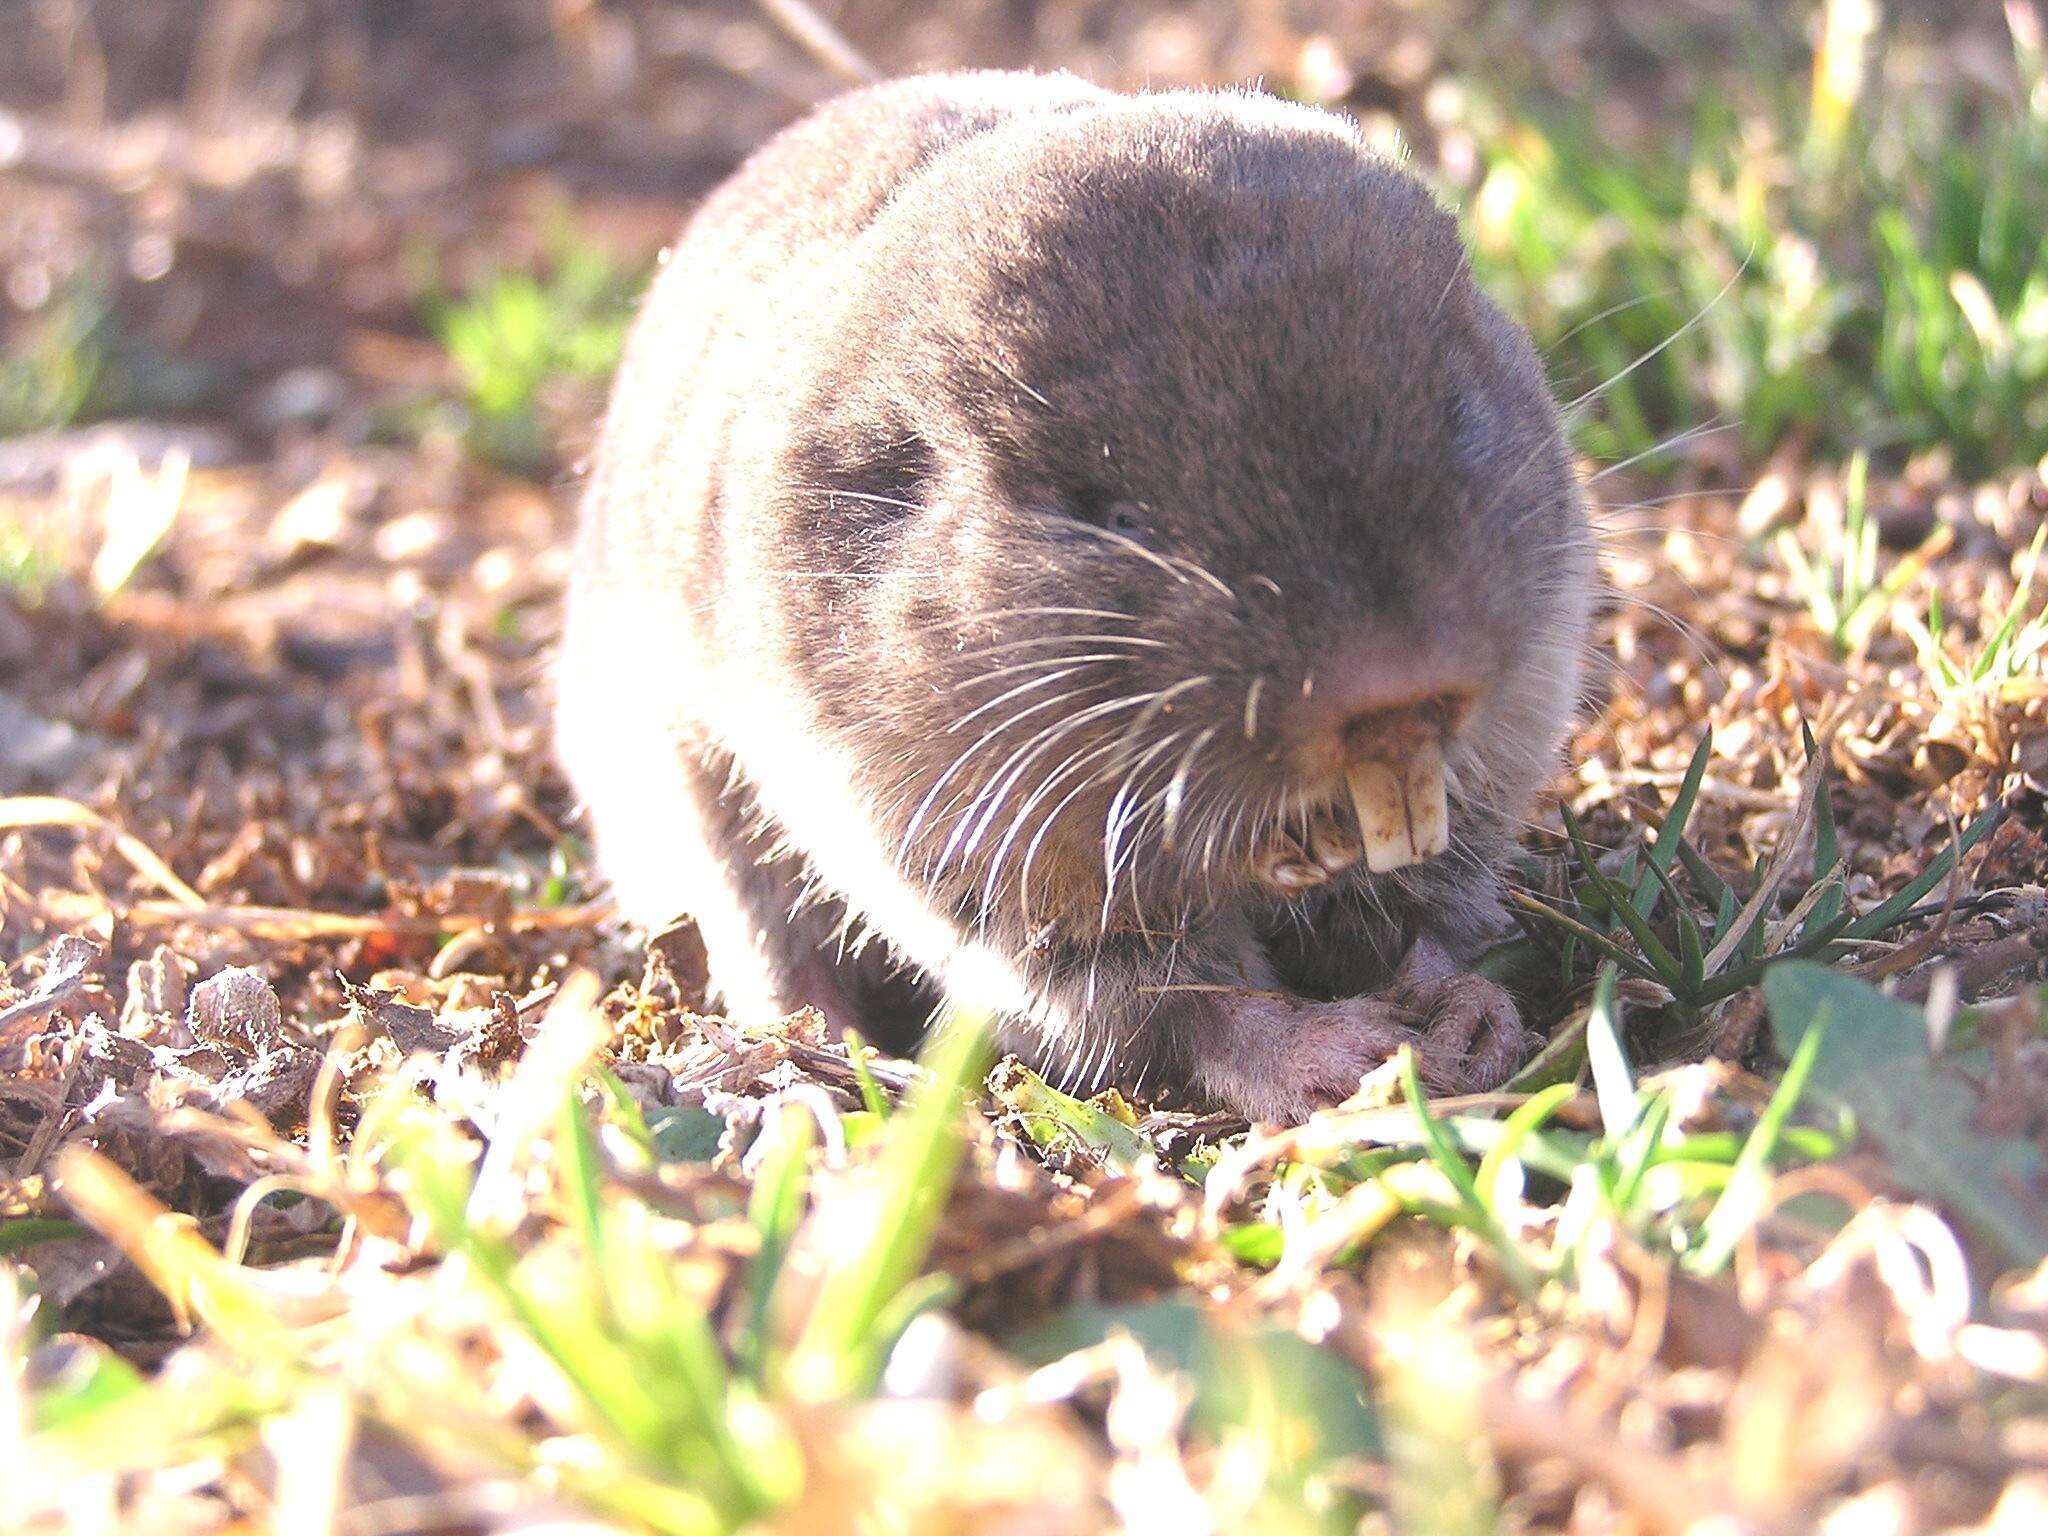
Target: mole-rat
{"x": 1097, "y": 557}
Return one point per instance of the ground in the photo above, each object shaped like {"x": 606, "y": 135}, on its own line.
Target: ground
{"x": 358, "y": 1172}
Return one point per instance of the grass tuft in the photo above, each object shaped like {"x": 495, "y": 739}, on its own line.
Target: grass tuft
{"x": 1704, "y": 945}
{"x": 653, "y": 1421}
{"x": 2015, "y": 640}
{"x": 60, "y": 364}
{"x": 515, "y": 336}
{"x": 1851, "y": 265}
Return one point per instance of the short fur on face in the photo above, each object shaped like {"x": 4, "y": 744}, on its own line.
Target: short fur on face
{"x": 1016, "y": 518}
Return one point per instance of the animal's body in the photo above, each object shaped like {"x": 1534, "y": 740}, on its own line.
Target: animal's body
{"x": 1100, "y": 555}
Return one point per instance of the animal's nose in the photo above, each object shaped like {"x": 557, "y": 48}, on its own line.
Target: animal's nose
{"x": 1388, "y": 692}
{"x": 1378, "y": 732}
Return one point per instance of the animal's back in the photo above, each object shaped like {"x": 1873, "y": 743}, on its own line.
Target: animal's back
{"x": 750, "y": 264}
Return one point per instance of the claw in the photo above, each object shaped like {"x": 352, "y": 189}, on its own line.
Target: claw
{"x": 1290, "y": 870}
{"x": 1327, "y": 848}
{"x": 1331, "y": 843}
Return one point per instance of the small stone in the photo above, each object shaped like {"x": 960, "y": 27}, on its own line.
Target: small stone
{"x": 301, "y": 397}
{"x": 37, "y": 749}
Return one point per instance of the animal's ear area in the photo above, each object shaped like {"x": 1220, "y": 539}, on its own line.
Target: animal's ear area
{"x": 1477, "y": 423}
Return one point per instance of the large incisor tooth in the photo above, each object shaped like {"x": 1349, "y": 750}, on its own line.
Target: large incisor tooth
{"x": 1377, "y": 796}
{"x": 1429, "y": 816}
{"x": 1402, "y": 815}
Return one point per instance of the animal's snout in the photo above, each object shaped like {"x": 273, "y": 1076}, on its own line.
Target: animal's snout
{"x": 1377, "y": 722}
{"x": 1395, "y": 731}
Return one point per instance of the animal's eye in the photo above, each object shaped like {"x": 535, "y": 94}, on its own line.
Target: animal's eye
{"x": 1099, "y": 509}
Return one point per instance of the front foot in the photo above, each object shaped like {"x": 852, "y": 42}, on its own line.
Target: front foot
{"x": 1272, "y": 1057}
{"x": 1280, "y": 1059}
{"x": 1468, "y": 1020}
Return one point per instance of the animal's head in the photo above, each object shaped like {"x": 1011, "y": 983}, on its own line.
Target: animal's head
{"x": 1178, "y": 480}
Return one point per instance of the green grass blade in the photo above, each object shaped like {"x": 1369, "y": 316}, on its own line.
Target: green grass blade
{"x": 1726, "y": 910}
{"x": 1665, "y": 849}
{"x": 1579, "y": 932}
{"x": 924, "y": 1294}
{"x": 1046, "y": 1115}
{"x": 774, "y": 1207}
{"x": 1879, "y": 918}
{"x": 1736, "y": 1211}
{"x": 1692, "y": 956}
{"x": 1637, "y": 1153}
{"x": 1477, "y": 1214}
{"x": 1709, "y": 880}
{"x": 26, "y": 1231}
{"x": 1449, "y": 1160}
{"x": 1669, "y": 887}
{"x": 1528, "y": 1118}
{"x": 1622, "y": 905}
{"x": 1808, "y": 1143}
{"x": 438, "y": 1187}
{"x": 1613, "y": 1081}
{"x": 871, "y": 1096}
{"x": 840, "y": 1350}
{"x": 624, "y": 1113}
{"x": 579, "y": 1178}
{"x": 1827, "y": 853}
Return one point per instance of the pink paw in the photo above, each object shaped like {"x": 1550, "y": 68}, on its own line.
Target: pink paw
{"x": 1279, "y": 1058}
{"x": 1474, "y": 1029}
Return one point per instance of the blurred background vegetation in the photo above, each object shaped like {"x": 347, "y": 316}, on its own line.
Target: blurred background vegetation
{"x": 1816, "y": 224}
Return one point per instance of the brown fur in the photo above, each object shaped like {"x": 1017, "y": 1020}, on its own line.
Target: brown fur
{"x": 1012, "y": 493}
